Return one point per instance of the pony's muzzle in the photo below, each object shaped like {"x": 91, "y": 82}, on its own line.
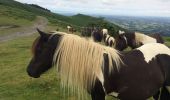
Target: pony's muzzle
{"x": 31, "y": 72}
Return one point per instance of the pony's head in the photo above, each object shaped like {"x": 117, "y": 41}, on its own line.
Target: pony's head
{"x": 97, "y": 35}
{"x": 43, "y": 50}
{"x": 121, "y": 42}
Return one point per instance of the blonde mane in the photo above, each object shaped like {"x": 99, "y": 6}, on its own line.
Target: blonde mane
{"x": 79, "y": 62}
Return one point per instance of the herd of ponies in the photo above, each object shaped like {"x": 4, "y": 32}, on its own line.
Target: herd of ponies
{"x": 98, "y": 66}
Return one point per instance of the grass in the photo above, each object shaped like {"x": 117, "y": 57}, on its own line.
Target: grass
{"x": 167, "y": 41}
{"x": 14, "y": 81}
{"x": 13, "y": 25}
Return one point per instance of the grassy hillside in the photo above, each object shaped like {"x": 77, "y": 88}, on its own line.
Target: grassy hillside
{"x": 79, "y": 19}
{"x": 16, "y": 10}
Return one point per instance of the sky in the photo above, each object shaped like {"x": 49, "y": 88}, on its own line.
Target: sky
{"x": 107, "y": 7}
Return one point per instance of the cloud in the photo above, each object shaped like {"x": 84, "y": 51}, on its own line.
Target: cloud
{"x": 128, "y": 7}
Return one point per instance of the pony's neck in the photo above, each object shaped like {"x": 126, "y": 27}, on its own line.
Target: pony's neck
{"x": 130, "y": 39}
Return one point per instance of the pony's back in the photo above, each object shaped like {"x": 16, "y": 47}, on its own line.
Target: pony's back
{"x": 157, "y": 37}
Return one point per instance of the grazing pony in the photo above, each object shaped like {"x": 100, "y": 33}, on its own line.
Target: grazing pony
{"x": 100, "y": 70}
{"x": 135, "y": 39}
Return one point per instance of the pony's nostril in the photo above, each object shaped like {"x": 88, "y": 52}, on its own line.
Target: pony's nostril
{"x": 33, "y": 74}
{"x": 29, "y": 72}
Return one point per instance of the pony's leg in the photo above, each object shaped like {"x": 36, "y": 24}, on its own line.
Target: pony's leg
{"x": 97, "y": 92}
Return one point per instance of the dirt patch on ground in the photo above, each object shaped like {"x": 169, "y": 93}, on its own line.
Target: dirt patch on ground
{"x": 8, "y": 26}
{"x": 40, "y": 23}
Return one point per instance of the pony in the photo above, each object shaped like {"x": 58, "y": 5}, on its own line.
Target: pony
{"x": 107, "y": 39}
{"x": 104, "y": 31}
{"x": 68, "y": 28}
{"x": 97, "y": 35}
{"x": 100, "y": 70}
{"x": 71, "y": 29}
{"x": 135, "y": 39}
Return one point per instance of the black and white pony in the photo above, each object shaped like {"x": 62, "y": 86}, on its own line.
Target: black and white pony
{"x": 100, "y": 70}
{"x": 103, "y": 36}
{"x": 135, "y": 39}
{"x": 108, "y": 40}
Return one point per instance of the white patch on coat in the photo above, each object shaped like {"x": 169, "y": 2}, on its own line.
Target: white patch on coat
{"x": 68, "y": 27}
{"x": 107, "y": 36}
{"x": 105, "y": 31}
{"x": 111, "y": 39}
{"x": 121, "y": 32}
{"x": 125, "y": 39}
{"x": 114, "y": 94}
{"x": 150, "y": 50}
{"x": 144, "y": 39}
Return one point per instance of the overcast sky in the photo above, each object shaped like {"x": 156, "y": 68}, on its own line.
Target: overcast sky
{"x": 107, "y": 7}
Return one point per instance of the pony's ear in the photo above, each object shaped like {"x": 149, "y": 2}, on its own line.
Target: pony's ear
{"x": 43, "y": 34}
{"x": 40, "y": 32}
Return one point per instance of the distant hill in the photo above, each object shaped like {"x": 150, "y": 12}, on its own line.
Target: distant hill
{"x": 81, "y": 19}
{"x": 11, "y": 8}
